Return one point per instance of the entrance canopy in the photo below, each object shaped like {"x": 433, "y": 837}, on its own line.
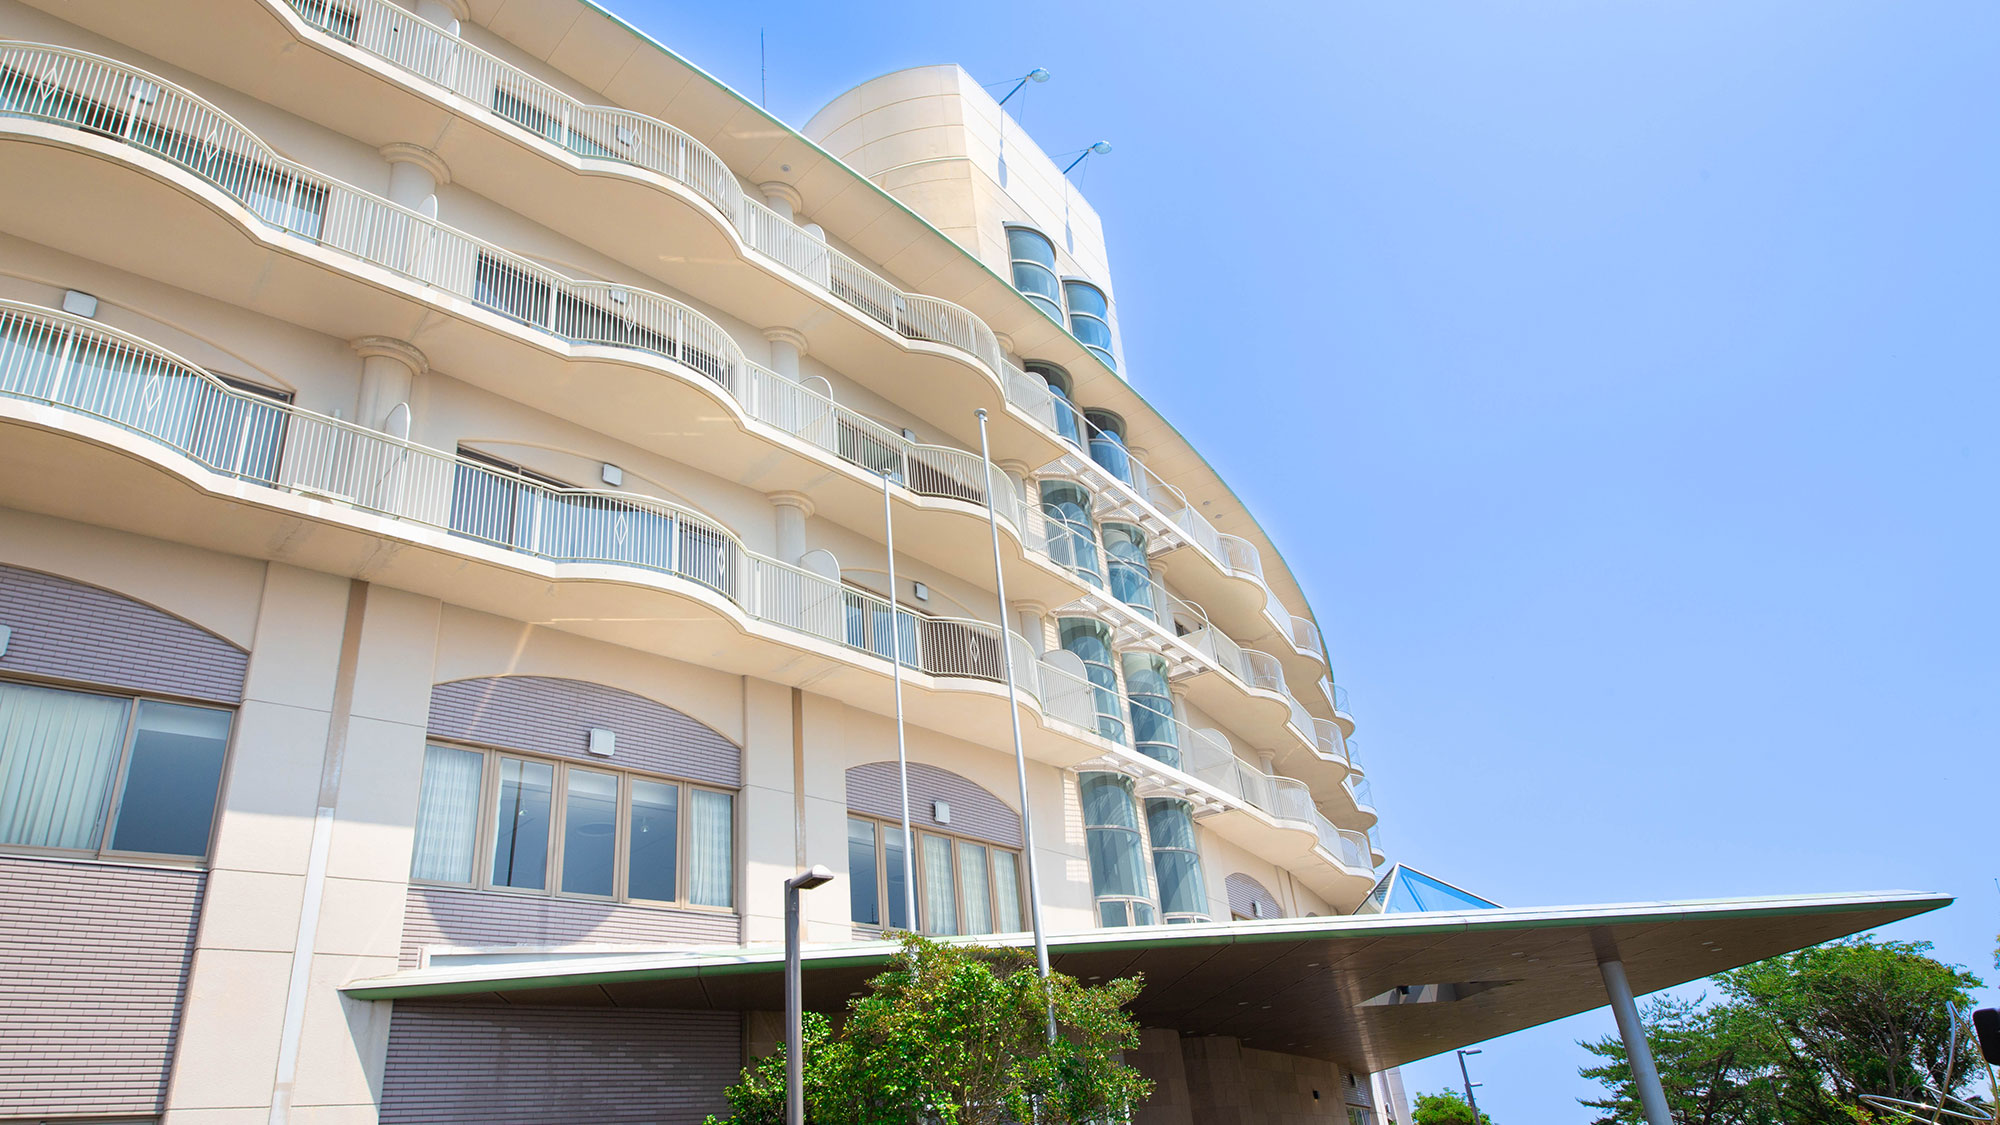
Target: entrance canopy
{"x": 1368, "y": 991}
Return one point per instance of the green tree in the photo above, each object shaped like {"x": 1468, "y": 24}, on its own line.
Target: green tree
{"x": 1445, "y": 1107}
{"x": 958, "y": 1035}
{"x": 1798, "y": 1039}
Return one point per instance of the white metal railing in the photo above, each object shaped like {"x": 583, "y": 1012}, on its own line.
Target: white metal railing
{"x": 1331, "y": 743}
{"x": 108, "y": 98}
{"x": 1362, "y": 792}
{"x": 416, "y": 46}
{"x": 1336, "y": 696}
{"x": 76, "y": 365}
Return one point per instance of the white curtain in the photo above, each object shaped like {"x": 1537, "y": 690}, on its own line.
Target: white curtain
{"x": 940, "y": 899}
{"x": 1006, "y": 893}
{"x": 447, "y": 815}
{"x": 972, "y": 877}
{"x": 711, "y": 843}
{"x": 58, "y": 753}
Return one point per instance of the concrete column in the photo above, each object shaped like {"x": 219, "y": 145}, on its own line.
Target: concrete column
{"x": 787, "y": 345}
{"x": 1267, "y": 761}
{"x": 444, "y": 13}
{"x": 1017, "y": 476}
{"x": 1645, "y": 1075}
{"x": 783, "y": 198}
{"x": 415, "y": 174}
{"x": 389, "y": 370}
{"x": 1030, "y": 618}
{"x": 791, "y": 510}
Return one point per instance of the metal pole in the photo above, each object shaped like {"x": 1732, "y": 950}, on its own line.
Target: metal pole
{"x": 1638, "y": 1052}
{"x": 902, "y": 744}
{"x": 1014, "y": 714}
{"x": 795, "y": 1035}
{"x": 1467, "y": 1076}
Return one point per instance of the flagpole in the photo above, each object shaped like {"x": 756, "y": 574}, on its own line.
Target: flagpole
{"x": 902, "y": 743}
{"x": 1014, "y": 714}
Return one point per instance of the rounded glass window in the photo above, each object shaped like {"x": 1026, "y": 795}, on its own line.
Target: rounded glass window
{"x": 1131, "y": 575}
{"x": 1034, "y": 259}
{"x": 1069, "y": 421}
{"x": 1107, "y": 443}
{"x": 1117, "y": 850}
{"x": 1089, "y": 318}
{"x": 1176, "y": 862}
{"x": 1090, "y": 640}
{"x": 1154, "y": 732}
{"x": 1072, "y": 539}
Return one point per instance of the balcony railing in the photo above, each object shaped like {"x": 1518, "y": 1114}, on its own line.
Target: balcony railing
{"x": 417, "y": 47}
{"x": 107, "y": 98}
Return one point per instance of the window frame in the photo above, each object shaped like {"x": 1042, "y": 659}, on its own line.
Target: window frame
{"x": 1108, "y": 353}
{"x": 883, "y": 828}
{"x": 114, "y": 802}
{"x": 1052, "y": 267}
{"x": 486, "y": 831}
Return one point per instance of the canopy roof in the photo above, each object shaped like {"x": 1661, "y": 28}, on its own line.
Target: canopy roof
{"x": 1369, "y": 991}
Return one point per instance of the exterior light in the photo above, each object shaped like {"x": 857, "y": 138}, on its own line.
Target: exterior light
{"x": 795, "y": 1093}
{"x": 1097, "y": 148}
{"x": 1037, "y": 75}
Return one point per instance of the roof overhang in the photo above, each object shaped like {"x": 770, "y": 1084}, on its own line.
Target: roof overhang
{"x": 1370, "y": 992}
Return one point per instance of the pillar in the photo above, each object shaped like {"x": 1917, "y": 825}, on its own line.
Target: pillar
{"x": 787, "y": 345}
{"x": 1267, "y": 761}
{"x": 782, "y": 198}
{"x": 444, "y": 13}
{"x": 1016, "y": 473}
{"x": 790, "y": 510}
{"x": 389, "y": 370}
{"x": 1030, "y": 618}
{"x": 415, "y": 174}
{"x": 1645, "y": 1075}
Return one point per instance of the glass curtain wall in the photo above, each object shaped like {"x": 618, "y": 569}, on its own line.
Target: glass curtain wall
{"x": 1090, "y": 640}
{"x": 1154, "y": 732}
{"x": 1115, "y": 840}
{"x": 1072, "y": 537}
{"x": 1177, "y": 863}
{"x": 1130, "y": 573}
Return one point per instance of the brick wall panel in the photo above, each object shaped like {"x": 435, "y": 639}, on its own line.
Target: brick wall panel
{"x": 549, "y": 715}
{"x": 72, "y": 631}
{"x": 975, "y": 812}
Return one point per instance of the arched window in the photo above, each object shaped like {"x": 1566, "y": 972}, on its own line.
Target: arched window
{"x": 1107, "y": 443}
{"x": 1131, "y": 575}
{"x": 1117, "y": 848}
{"x": 1072, "y": 539}
{"x": 1183, "y": 897}
{"x": 967, "y": 860}
{"x": 1090, "y": 640}
{"x": 1034, "y": 261}
{"x": 1069, "y": 424}
{"x": 1090, "y": 319}
{"x": 1154, "y": 733}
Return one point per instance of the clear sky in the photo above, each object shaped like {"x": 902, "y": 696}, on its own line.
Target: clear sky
{"x": 1618, "y": 377}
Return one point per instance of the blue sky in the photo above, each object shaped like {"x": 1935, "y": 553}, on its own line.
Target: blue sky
{"x": 1619, "y": 379}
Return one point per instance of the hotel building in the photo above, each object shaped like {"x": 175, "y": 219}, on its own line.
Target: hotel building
{"x": 447, "y": 456}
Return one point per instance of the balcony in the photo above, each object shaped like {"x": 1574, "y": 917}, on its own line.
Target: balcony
{"x": 459, "y": 78}
{"x": 104, "y": 101}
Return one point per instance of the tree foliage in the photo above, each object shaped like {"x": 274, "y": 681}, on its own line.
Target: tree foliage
{"x": 1797, "y": 1039}
{"x": 958, "y": 1035}
{"x": 1445, "y": 1107}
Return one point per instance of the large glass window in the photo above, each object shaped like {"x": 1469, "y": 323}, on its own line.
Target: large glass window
{"x": 1069, "y": 421}
{"x": 1154, "y": 732}
{"x": 1130, "y": 573}
{"x": 80, "y": 771}
{"x": 575, "y": 830}
{"x": 1034, "y": 259}
{"x": 1117, "y": 850}
{"x": 1176, "y": 862}
{"x": 1107, "y": 443}
{"x": 1090, "y": 319}
{"x": 963, "y": 886}
{"x": 1090, "y": 640}
{"x": 1072, "y": 538}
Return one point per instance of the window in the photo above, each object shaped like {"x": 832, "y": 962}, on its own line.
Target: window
{"x": 963, "y": 886}
{"x": 1069, "y": 424}
{"x": 1090, "y": 640}
{"x": 502, "y": 820}
{"x": 1090, "y": 319}
{"x": 1154, "y": 732}
{"x": 1131, "y": 575}
{"x": 1072, "y": 539}
{"x": 1107, "y": 443}
{"x": 1117, "y": 850}
{"x": 1183, "y": 897}
{"x": 1359, "y": 1116}
{"x": 1034, "y": 261}
{"x": 96, "y": 773}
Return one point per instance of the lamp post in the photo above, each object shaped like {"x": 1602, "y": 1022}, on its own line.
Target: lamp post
{"x": 1098, "y": 148}
{"x": 1035, "y": 75}
{"x": 795, "y": 1011}
{"x": 1469, "y": 1083}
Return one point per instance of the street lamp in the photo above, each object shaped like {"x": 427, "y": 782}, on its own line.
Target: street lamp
{"x": 795, "y": 1012}
{"x": 1035, "y": 75}
{"x": 1098, "y": 148}
{"x": 1469, "y": 1083}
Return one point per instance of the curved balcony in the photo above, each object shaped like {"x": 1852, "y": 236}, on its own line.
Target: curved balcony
{"x": 272, "y": 452}
{"x": 1336, "y": 698}
{"x": 491, "y": 90}
{"x": 106, "y": 99}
